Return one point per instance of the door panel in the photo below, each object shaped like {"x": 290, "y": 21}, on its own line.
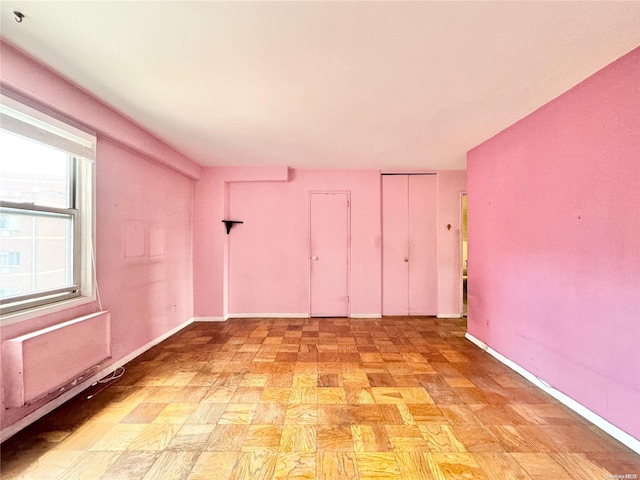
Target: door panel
{"x": 395, "y": 270}
{"x": 422, "y": 239}
{"x": 329, "y": 254}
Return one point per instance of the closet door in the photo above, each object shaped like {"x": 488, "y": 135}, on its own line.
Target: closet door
{"x": 409, "y": 262}
{"x": 395, "y": 248}
{"x": 422, "y": 239}
{"x": 329, "y": 254}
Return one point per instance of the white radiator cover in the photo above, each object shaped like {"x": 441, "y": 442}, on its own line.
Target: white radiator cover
{"x": 39, "y": 363}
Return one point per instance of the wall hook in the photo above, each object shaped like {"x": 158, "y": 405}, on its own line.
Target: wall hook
{"x": 229, "y": 224}
{"x": 448, "y": 226}
{"x": 18, "y": 16}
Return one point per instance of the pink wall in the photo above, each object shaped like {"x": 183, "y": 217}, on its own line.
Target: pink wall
{"x": 451, "y": 184}
{"x": 147, "y": 295}
{"x": 25, "y": 76}
{"x": 554, "y": 256}
{"x": 262, "y": 266}
{"x": 268, "y": 255}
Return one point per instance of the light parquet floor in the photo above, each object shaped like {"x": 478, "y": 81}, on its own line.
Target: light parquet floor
{"x": 393, "y": 398}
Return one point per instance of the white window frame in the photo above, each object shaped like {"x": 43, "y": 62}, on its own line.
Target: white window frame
{"x": 34, "y": 124}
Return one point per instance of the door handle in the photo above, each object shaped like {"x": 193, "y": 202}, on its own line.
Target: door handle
{"x": 314, "y": 258}
{"x": 406, "y": 260}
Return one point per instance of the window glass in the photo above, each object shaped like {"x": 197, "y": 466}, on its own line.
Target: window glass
{"x": 32, "y": 172}
{"x": 40, "y": 257}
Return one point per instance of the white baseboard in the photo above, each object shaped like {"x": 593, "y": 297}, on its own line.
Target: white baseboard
{"x": 449, "y": 315}
{"x": 72, "y": 392}
{"x": 597, "y": 420}
{"x": 365, "y": 315}
{"x": 266, "y": 315}
{"x": 209, "y": 319}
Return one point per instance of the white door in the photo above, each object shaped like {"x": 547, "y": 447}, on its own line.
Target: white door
{"x": 329, "y": 254}
{"x": 409, "y": 261}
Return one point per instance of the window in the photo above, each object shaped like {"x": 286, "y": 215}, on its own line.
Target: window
{"x": 9, "y": 259}
{"x": 46, "y": 209}
{"x": 9, "y": 224}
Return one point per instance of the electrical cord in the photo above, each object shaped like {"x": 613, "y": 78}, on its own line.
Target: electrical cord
{"x": 108, "y": 380}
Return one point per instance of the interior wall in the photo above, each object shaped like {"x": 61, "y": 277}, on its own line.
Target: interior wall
{"x": 451, "y": 184}
{"x": 261, "y": 267}
{"x": 554, "y": 258}
{"x": 148, "y": 289}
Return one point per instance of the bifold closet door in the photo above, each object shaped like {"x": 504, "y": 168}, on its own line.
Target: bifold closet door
{"x": 423, "y": 268}
{"x": 395, "y": 246}
{"x": 409, "y": 269}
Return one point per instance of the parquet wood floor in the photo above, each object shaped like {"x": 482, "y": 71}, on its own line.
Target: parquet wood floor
{"x": 396, "y": 398}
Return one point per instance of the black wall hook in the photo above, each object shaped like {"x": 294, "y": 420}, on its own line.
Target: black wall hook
{"x": 229, "y": 224}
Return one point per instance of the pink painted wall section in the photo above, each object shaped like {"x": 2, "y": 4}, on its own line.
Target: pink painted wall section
{"x": 451, "y": 184}
{"x": 262, "y": 266}
{"x": 143, "y": 227}
{"x": 554, "y": 255}
{"x": 210, "y": 207}
{"x": 23, "y": 75}
{"x": 269, "y": 253}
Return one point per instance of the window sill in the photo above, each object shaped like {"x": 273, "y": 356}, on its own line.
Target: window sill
{"x": 16, "y": 317}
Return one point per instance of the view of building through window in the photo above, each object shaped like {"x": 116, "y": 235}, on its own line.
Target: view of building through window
{"x": 36, "y": 244}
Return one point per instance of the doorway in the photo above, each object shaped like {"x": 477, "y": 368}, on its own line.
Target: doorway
{"x": 465, "y": 261}
{"x": 329, "y": 254}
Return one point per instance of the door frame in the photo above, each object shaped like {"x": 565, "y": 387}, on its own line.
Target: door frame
{"x": 463, "y": 194}
{"x": 348, "y": 193}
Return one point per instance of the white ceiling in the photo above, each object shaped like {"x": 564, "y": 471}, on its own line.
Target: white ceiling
{"x": 410, "y": 85}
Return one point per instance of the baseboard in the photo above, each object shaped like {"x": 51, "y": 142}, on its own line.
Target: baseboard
{"x": 266, "y": 315}
{"x": 69, "y": 394}
{"x": 597, "y": 420}
{"x": 365, "y": 315}
{"x": 209, "y": 319}
{"x": 449, "y": 315}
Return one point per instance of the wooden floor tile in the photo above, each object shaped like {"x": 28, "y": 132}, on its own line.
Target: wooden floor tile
{"x": 191, "y": 438}
{"x": 295, "y": 466}
{"x": 227, "y": 438}
{"x": 298, "y": 438}
{"x": 441, "y": 439}
{"x": 540, "y": 466}
{"x": 130, "y": 465}
{"x": 119, "y": 437}
{"x": 376, "y": 465}
{"x": 336, "y": 466}
{"x": 414, "y": 465}
{"x": 85, "y": 437}
{"x": 238, "y": 413}
{"x": 47, "y": 465}
{"x": 501, "y": 465}
{"x": 333, "y": 438}
{"x": 262, "y": 437}
{"x": 457, "y": 466}
{"x": 90, "y": 466}
{"x": 258, "y": 465}
{"x": 332, "y": 398}
{"x": 171, "y": 465}
{"x": 222, "y": 463}
{"x": 478, "y": 439}
{"x": 306, "y": 414}
{"x": 177, "y": 413}
{"x": 269, "y": 414}
{"x": 406, "y": 438}
{"x": 580, "y": 467}
{"x": 370, "y": 438}
{"x": 331, "y": 395}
